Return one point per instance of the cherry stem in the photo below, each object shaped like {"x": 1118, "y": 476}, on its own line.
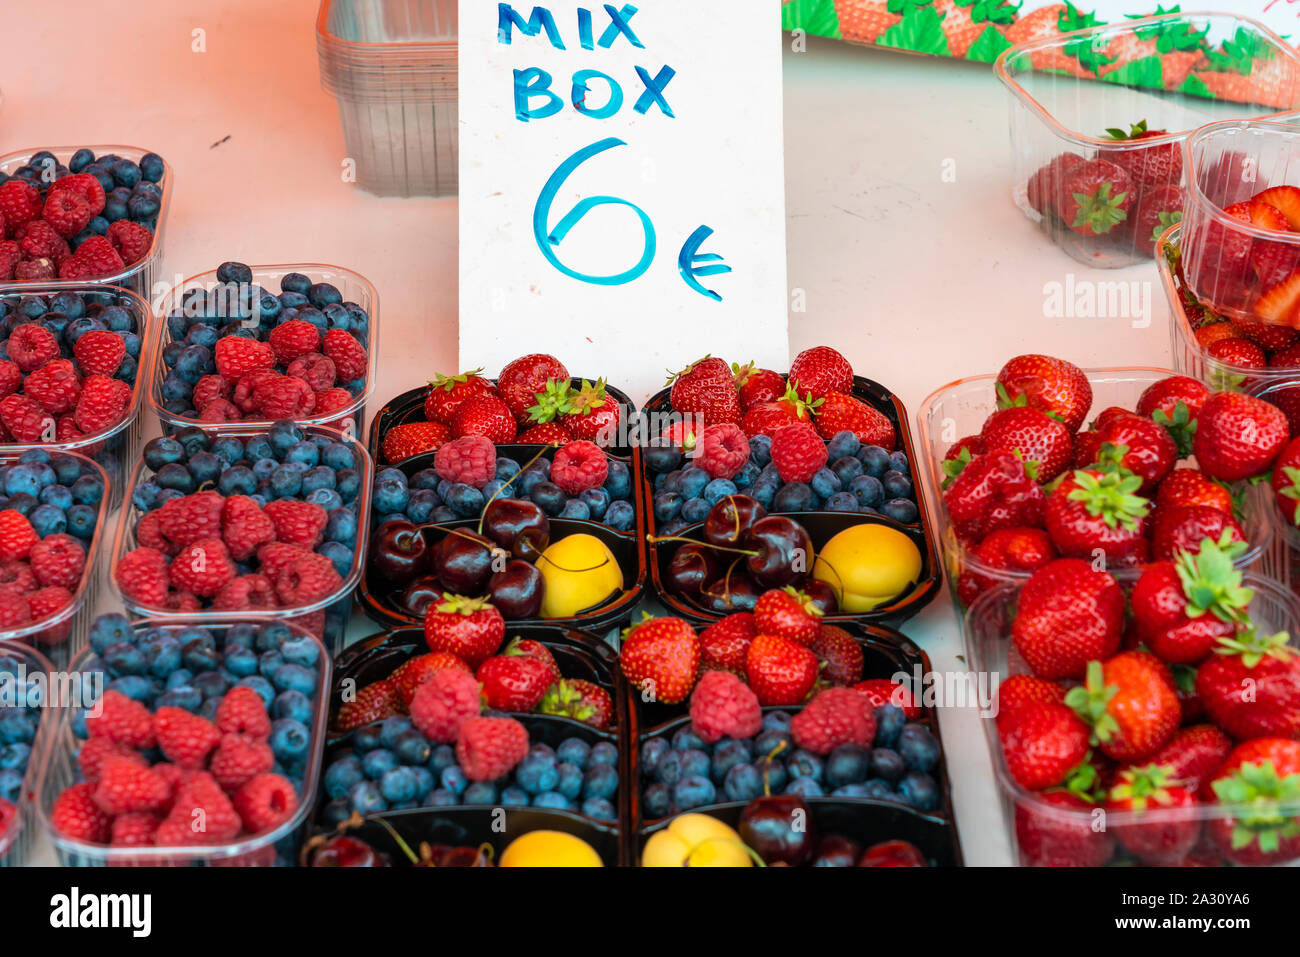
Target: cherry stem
{"x": 506, "y": 484}
{"x": 656, "y": 539}
{"x": 767, "y": 765}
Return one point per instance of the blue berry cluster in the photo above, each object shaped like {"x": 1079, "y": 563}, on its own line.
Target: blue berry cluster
{"x": 132, "y": 189}
{"x": 20, "y": 716}
{"x": 425, "y": 496}
{"x": 390, "y": 765}
{"x": 857, "y": 478}
{"x": 283, "y": 462}
{"x": 206, "y": 315}
{"x": 69, "y": 316}
{"x": 56, "y": 491}
{"x": 682, "y": 772}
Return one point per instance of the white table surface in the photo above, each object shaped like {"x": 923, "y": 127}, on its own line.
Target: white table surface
{"x": 917, "y": 279}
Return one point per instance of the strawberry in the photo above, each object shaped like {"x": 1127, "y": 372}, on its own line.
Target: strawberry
{"x": 1043, "y": 744}
{"x": 1250, "y": 687}
{"x": 1093, "y": 513}
{"x": 1286, "y": 482}
{"x": 819, "y": 371}
{"x": 1174, "y": 833}
{"x": 513, "y": 682}
{"x": 532, "y": 648}
{"x": 1238, "y": 436}
{"x": 1140, "y": 445}
{"x": 1035, "y": 436}
{"x": 413, "y": 438}
{"x": 1130, "y": 703}
{"x": 446, "y": 393}
{"x": 883, "y": 691}
{"x": 1278, "y": 303}
{"x": 768, "y": 418}
{"x": 1149, "y": 166}
{"x": 840, "y": 412}
{"x": 1055, "y": 829}
{"x": 1156, "y": 210}
{"x": 1191, "y": 487}
{"x": 592, "y": 414}
{"x": 1057, "y": 387}
{"x": 1184, "y": 528}
{"x": 1095, "y": 197}
{"x": 994, "y": 491}
{"x": 470, "y": 628}
{"x": 725, "y": 643}
{"x": 1193, "y": 754}
{"x": 661, "y": 657}
{"x": 1175, "y": 402}
{"x": 1238, "y": 352}
{"x": 1181, "y": 608}
{"x": 484, "y": 415}
{"x": 706, "y": 388}
{"x": 1068, "y": 614}
{"x": 780, "y": 671}
{"x": 372, "y": 703}
{"x": 1285, "y": 199}
{"x": 548, "y": 433}
{"x": 521, "y": 380}
{"x": 839, "y": 656}
{"x": 1006, "y": 550}
{"x": 413, "y": 672}
{"x": 1267, "y": 335}
{"x": 757, "y": 385}
{"x": 790, "y": 613}
{"x": 1025, "y": 691}
{"x": 580, "y": 700}
{"x": 1257, "y": 779}
{"x": 1043, "y": 186}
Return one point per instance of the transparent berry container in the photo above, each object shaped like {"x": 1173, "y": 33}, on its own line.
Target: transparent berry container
{"x": 1078, "y": 842}
{"x": 140, "y": 277}
{"x": 354, "y": 288}
{"x": 1229, "y": 264}
{"x": 276, "y": 846}
{"x": 115, "y": 447}
{"x": 334, "y": 610}
{"x": 17, "y": 840}
{"x": 959, "y": 409}
{"x": 63, "y": 634}
{"x": 1176, "y": 72}
{"x": 392, "y": 67}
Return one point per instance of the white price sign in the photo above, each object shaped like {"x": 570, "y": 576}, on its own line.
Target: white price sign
{"x": 622, "y": 198}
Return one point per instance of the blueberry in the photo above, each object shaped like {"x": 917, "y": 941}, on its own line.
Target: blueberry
{"x": 825, "y": 483}
{"x": 286, "y": 482}
{"x": 283, "y": 435}
{"x": 338, "y": 456}
{"x": 175, "y": 477}
{"x": 340, "y": 555}
{"x": 290, "y": 741}
{"x": 769, "y": 739}
{"x": 695, "y": 510}
{"x": 237, "y": 480}
{"x": 152, "y": 167}
{"x": 842, "y": 502}
{"x": 295, "y": 282}
{"x": 693, "y": 791}
{"x": 554, "y": 800}
{"x": 366, "y": 798}
{"x": 747, "y": 475}
{"x": 727, "y": 754}
{"x": 794, "y": 497}
{"x": 576, "y": 509}
{"x": 399, "y": 785}
{"x": 241, "y": 662}
{"x": 600, "y": 781}
{"x": 760, "y": 450}
{"x": 48, "y": 520}
{"x": 322, "y": 294}
{"x": 464, "y": 500}
{"x": 163, "y": 657}
{"x": 573, "y": 750}
{"x": 900, "y": 510}
{"x": 843, "y": 443}
{"x": 868, "y": 490}
{"x": 743, "y": 782}
{"x": 80, "y": 160}
{"x": 291, "y": 704}
{"x": 919, "y": 790}
{"x": 846, "y": 469}
{"x": 874, "y": 459}
{"x": 549, "y": 498}
{"x": 667, "y": 506}
{"x": 441, "y": 797}
{"x": 898, "y": 462}
{"x": 618, "y": 480}
{"x": 375, "y": 764}
{"x": 888, "y": 764}
{"x": 651, "y": 753}
{"x": 764, "y": 493}
{"x": 889, "y": 722}
{"x": 536, "y": 774}
{"x": 514, "y": 797}
{"x": 620, "y": 515}
{"x": 659, "y": 459}
{"x": 896, "y": 484}
{"x": 804, "y": 787}
{"x": 596, "y": 501}
{"x": 600, "y": 809}
{"x": 124, "y": 659}
{"x": 341, "y": 527}
{"x": 657, "y": 801}
{"x": 569, "y": 780}
{"x": 847, "y": 764}
{"x": 918, "y": 747}
{"x": 776, "y": 720}
{"x": 718, "y": 489}
{"x": 443, "y": 757}
{"x": 805, "y": 764}
{"x": 108, "y": 630}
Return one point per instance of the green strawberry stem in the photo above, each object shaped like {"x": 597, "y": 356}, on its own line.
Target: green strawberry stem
{"x": 555, "y": 399}
{"x": 1263, "y": 804}
{"x": 1111, "y": 497}
{"x": 1180, "y": 426}
{"x": 1254, "y": 647}
{"x": 1100, "y": 211}
{"x": 1211, "y": 582}
{"x": 449, "y": 382}
{"x": 1091, "y": 700}
{"x": 1142, "y": 785}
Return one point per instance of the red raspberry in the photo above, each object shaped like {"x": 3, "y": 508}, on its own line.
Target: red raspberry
{"x": 242, "y": 711}
{"x": 123, "y": 720}
{"x": 219, "y": 410}
{"x": 67, "y": 211}
{"x": 835, "y": 716}
{"x": 16, "y": 535}
{"x": 11, "y": 377}
{"x": 10, "y": 255}
{"x": 174, "y": 775}
{"x": 245, "y": 527}
{"x": 186, "y": 739}
{"x": 349, "y": 355}
{"x": 209, "y": 387}
{"x": 725, "y": 643}
{"x": 126, "y": 786}
{"x": 183, "y": 601}
{"x": 798, "y": 452}
{"x": 723, "y": 706}
{"x": 141, "y": 576}
{"x": 39, "y": 240}
{"x": 332, "y": 400}
{"x": 84, "y": 185}
{"x": 545, "y": 434}
{"x": 840, "y": 655}
{"x": 95, "y": 258}
{"x": 244, "y": 386}
{"x": 99, "y": 352}
{"x": 277, "y": 558}
{"x": 238, "y": 759}
{"x": 75, "y": 814}
{"x": 264, "y": 802}
{"x": 283, "y": 397}
{"x": 55, "y": 386}
{"x": 579, "y": 466}
{"x": 314, "y": 369}
{"x": 192, "y": 518}
{"x": 201, "y": 814}
{"x": 32, "y": 270}
{"x": 414, "y": 672}
{"x": 58, "y": 559}
{"x": 372, "y": 703}
{"x": 237, "y": 356}
{"x": 489, "y": 748}
{"x": 15, "y": 572}
{"x": 308, "y": 579}
{"x": 723, "y": 450}
{"x": 14, "y": 609}
{"x": 20, "y": 202}
{"x": 31, "y": 346}
{"x": 484, "y": 415}
{"x": 471, "y": 459}
{"x": 134, "y": 829}
{"x": 67, "y": 431}
{"x": 298, "y": 523}
{"x": 245, "y": 593}
{"x": 149, "y": 534}
{"x": 93, "y": 752}
{"x": 444, "y": 703}
{"x": 202, "y": 568}
{"x": 882, "y": 691}
{"x": 104, "y": 403}
{"x": 292, "y": 339}
{"x": 131, "y": 240}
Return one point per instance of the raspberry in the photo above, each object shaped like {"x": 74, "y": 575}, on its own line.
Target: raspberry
{"x": 93, "y": 752}
{"x": 36, "y": 269}
{"x": 186, "y": 739}
{"x": 242, "y": 711}
{"x": 835, "y": 716}
{"x": 314, "y": 369}
{"x": 75, "y": 814}
{"x": 202, "y": 568}
{"x": 55, "y": 386}
{"x": 579, "y": 466}
{"x": 545, "y": 434}
{"x": 16, "y": 535}
{"x": 25, "y": 420}
{"x": 192, "y": 518}
{"x": 332, "y": 400}
{"x": 15, "y": 572}
{"x": 444, "y": 703}
{"x": 245, "y": 527}
{"x": 31, "y": 346}
{"x": 244, "y": 386}
{"x": 201, "y": 814}
{"x": 67, "y": 211}
{"x": 725, "y": 643}
{"x": 308, "y": 579}
{"x": 103, "y": 403}
{"x": 11, "y": 377}
{"x": 123, "y": 720}
{"x": 20, "y": 202}
{"x": 489, "y": 748}
{"x": 208, "y": 388}
{"x": 131, "y": 240}
{"x": 348, "y": 355}
{"x": 67, "y": 431}
{"x": 95, "y": 258}
{"x": 141, "y": 576}
{"x": 373, "y": 703}
{"x": 298, "y": 523}
{"x": 723, "y": 706}
{"x": 723, "y": 450}
{"x": 798, "y": 452}
{"x": 134, "y": 829}
{"x": 149, "y": 534}
{"x": 39, "y": 240}
{"x": 173, "y": 775}
{"x": 264, "y": 802}
{"x": 58, "y": 559}
{"x": 283, "y": 397}
{"x": 238, "y": 759}
{"x": 416, "y": 671}
{"x": 10, "y": 255}
{"x": 183, "y": 601}
{"x": 127, "y": 786}
{"x": 99, "y": 352}
{"x": 219, "y": 410}
{"x": 236, "y": 356}
{"x": 840, "y": 654}
{"x": 292, "y": 339}
{"x": 14, "y": 609}
{"x": 46, "y": 603}
{"x": 471, "y": 459}
{"x": 276, "y": 559}
{"x": 84, "y": 185}
{"x": 244, "y": 594}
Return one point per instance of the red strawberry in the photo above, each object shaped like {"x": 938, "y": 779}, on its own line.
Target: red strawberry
{"x": 1162, "y": 400}
{"x": 1095, "y": 197}
{"x": 1044, "y": 185}
{"x": 1251, "y": 686}
{"x": 757, "y": 385}
{"x": 768, "y": 418}
{"x": 1156, "y": 211}
{"x": 1193, "y": 487}
{"x": 1286, "y": 482}
{"x": 1238, "y": 352}
{"x": 1194, "y": 754}
{"x": 780, "y": 671}
{"x": 1169, "y": 838}
{"x": 1257, "y": 778}
{"x": 484, "y": 415}
{"x": 790, "y": 613}
{"x": 548, "y": 433}
{"x": 1038, "y": 438}
{"x": 1152, "y": 165}
{"x": 579, "y": 699}
{"x": 592, "y": 414}
{"x": 372, "y": 703}
{"x": 1055, "y": 829}
{"x": 1006, "y": 550}
{"x": 1068, "y": 614}
{"x": 724, "y": 644}
{"x": 1095, "y": 513}
{"x": 521, "y": 380}
{"x": 1140, "y": 445}
{"x": 1184, "y": 528}
{"x": 706, "y": 388}
{"x": 532, "y": 648}
{"x": 838, "y": 655}
{"x": 1043, "y": 382}
{"x": 1238, "y": 436}
{"x": 820, "y": 371}
{"x": 446, "y": 393}
{"x": 661, "y": 657}
{"x": 994, "y": 491}
{"x": 401, "y": 442}
{"x": 1279, "y": 302}
{"x": 883, "y": 691}
{"x": 1043, "y": 744}
{"x": 470, "y": 628}
{"x": 1130, "y": 703}
{"x": 839, "y": 412}
{"x": 1181, "y": 608}
{"x": 412, "y": 673}
{"x": 513, "y": 682}
{"x": 1025, "y": 691}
